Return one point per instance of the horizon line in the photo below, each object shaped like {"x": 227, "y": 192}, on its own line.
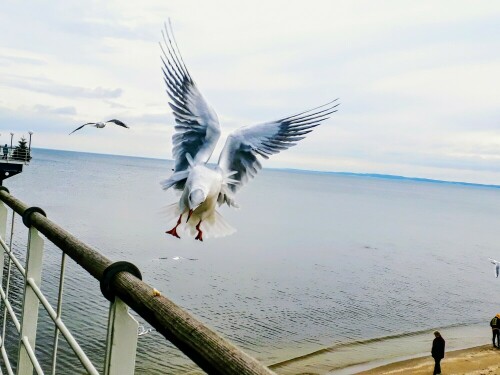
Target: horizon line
{"x": 287, "y": 169}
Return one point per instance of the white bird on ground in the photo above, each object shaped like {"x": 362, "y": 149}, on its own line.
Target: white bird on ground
{"x": 497, "y": 266}
{"x": 100, "y": 125}
{"x": 197, "y": 131}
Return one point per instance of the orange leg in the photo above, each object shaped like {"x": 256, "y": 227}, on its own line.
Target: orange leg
{"x": 173, "y": 231}
{"x": 199, "y": 236}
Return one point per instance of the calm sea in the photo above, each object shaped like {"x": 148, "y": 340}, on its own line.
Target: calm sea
{"x": 348, "y": 269}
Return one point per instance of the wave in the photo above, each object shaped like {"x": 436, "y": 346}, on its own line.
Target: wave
{"x": 359, "y": 343}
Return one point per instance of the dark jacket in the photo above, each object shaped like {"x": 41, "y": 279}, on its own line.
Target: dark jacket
{"x": 495, "y": 323}
{"x": 438, "y": 348}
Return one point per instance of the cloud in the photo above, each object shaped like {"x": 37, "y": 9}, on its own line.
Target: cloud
{"x": 50, "y": 87}
{"x": 15, "y": 60}
{"x": 44, "y": 109}
{"x": 39, "y": 120}
{"x": 151, "y": 118}
{"x": 114, "y": 104}
{"x": 417, "y": 81}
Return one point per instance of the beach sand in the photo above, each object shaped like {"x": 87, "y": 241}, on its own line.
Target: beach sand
{"x": 474, "y": 361}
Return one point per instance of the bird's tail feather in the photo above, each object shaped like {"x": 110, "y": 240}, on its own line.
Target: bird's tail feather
{"x": 170, "y": 213}
{"x": 217, "y": 226}
{"x": 212, "y": 226}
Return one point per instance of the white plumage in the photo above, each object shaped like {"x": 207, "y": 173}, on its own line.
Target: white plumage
{"x": 197, "y": 131}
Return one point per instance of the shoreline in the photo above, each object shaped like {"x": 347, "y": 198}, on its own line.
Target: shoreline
{"x": 364, "y": 355}
{"x": 477, "y": 360}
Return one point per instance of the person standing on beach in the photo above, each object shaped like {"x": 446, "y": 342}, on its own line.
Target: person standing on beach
{"x": 495, "y": 327}
{"x": 437, "y": 352}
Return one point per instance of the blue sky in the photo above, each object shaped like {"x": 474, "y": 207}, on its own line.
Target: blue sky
{"x": 418, "y": 81}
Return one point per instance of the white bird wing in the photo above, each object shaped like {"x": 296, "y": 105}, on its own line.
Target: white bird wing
{"x": 119, "y": 123}
{"x": 197, "y": 128}
{"x": 493, "y": 261}
{"x": 88, "y": 123}
{"x": 242, "y": 147}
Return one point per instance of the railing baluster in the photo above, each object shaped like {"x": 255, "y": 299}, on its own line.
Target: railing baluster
{"x": 9, "y": 266}
{"x": 3, "y": 231}
{"x": 121, "y": 343}
{"x": 29, "y": 315}
{"x": 59, "y": 310}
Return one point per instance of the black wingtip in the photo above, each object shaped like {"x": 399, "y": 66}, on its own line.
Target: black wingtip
{"x": 327, "y": 105}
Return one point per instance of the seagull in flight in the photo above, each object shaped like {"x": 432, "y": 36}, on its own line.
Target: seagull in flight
{"x": 497, "y": 266}
{"x": 100, "y": 125}
{"x": 203, "y": 187}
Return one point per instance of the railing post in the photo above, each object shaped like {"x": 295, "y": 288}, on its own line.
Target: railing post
{"x": 3, "y": 232}
{"x": 121, "y": 343}
{"x": 29, "y": 317}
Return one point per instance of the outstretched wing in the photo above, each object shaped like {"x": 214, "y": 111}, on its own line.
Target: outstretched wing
{"x": 118, "y": 122}
{"x": 88, "y": 123}
{"x": 245, "y": 144}
{"x": 197, "y": 126}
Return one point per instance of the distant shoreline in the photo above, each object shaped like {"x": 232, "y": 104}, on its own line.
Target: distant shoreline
{"x": 295, "y": 170}
{"x": 389, "y": 177}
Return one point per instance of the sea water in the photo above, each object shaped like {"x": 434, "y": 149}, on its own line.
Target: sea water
{"x": 320, "y": 263}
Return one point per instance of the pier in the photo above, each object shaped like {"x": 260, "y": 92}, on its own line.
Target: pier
{"x": 14, "y": 157}
{"x": 120, "y": 283}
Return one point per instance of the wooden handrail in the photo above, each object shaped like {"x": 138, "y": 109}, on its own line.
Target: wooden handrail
{"x": 211, "y": 352}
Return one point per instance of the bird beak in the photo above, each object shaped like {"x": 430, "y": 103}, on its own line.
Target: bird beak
{"x": 189, "y": 215}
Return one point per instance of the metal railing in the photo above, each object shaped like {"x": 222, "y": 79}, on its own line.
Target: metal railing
{"x": 121, "y": 283}
{"x": 15, "y": 154}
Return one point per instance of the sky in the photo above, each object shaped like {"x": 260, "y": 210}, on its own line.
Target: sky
{"x": 418, "y": 81}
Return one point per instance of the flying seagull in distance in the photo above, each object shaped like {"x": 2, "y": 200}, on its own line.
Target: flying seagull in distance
{"x": 100, "y": 125}
{"x": 497, "y": 266}
{"x": 197, "y": 131}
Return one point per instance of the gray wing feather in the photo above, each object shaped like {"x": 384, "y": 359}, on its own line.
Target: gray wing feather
{"x": 88, "y": 123}
{"x": 240, "y": 153}
{"x": 118, "y": 122}
{"x": 197, "y": 126}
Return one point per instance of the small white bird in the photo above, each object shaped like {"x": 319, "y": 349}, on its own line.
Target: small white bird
{"x": 141, "y": 331}
{"x": 178, "y": 258}
{"x": 182, "y": 258}
{"x": 197, "y": 131}
{"x": 497, "y": 266}
{"x": 100, "y": 125}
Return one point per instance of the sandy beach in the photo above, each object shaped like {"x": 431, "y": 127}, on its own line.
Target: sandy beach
{"x": 474, "y": 361}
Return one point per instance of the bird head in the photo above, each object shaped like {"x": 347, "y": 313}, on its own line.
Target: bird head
{"x": 196, "y": 197}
